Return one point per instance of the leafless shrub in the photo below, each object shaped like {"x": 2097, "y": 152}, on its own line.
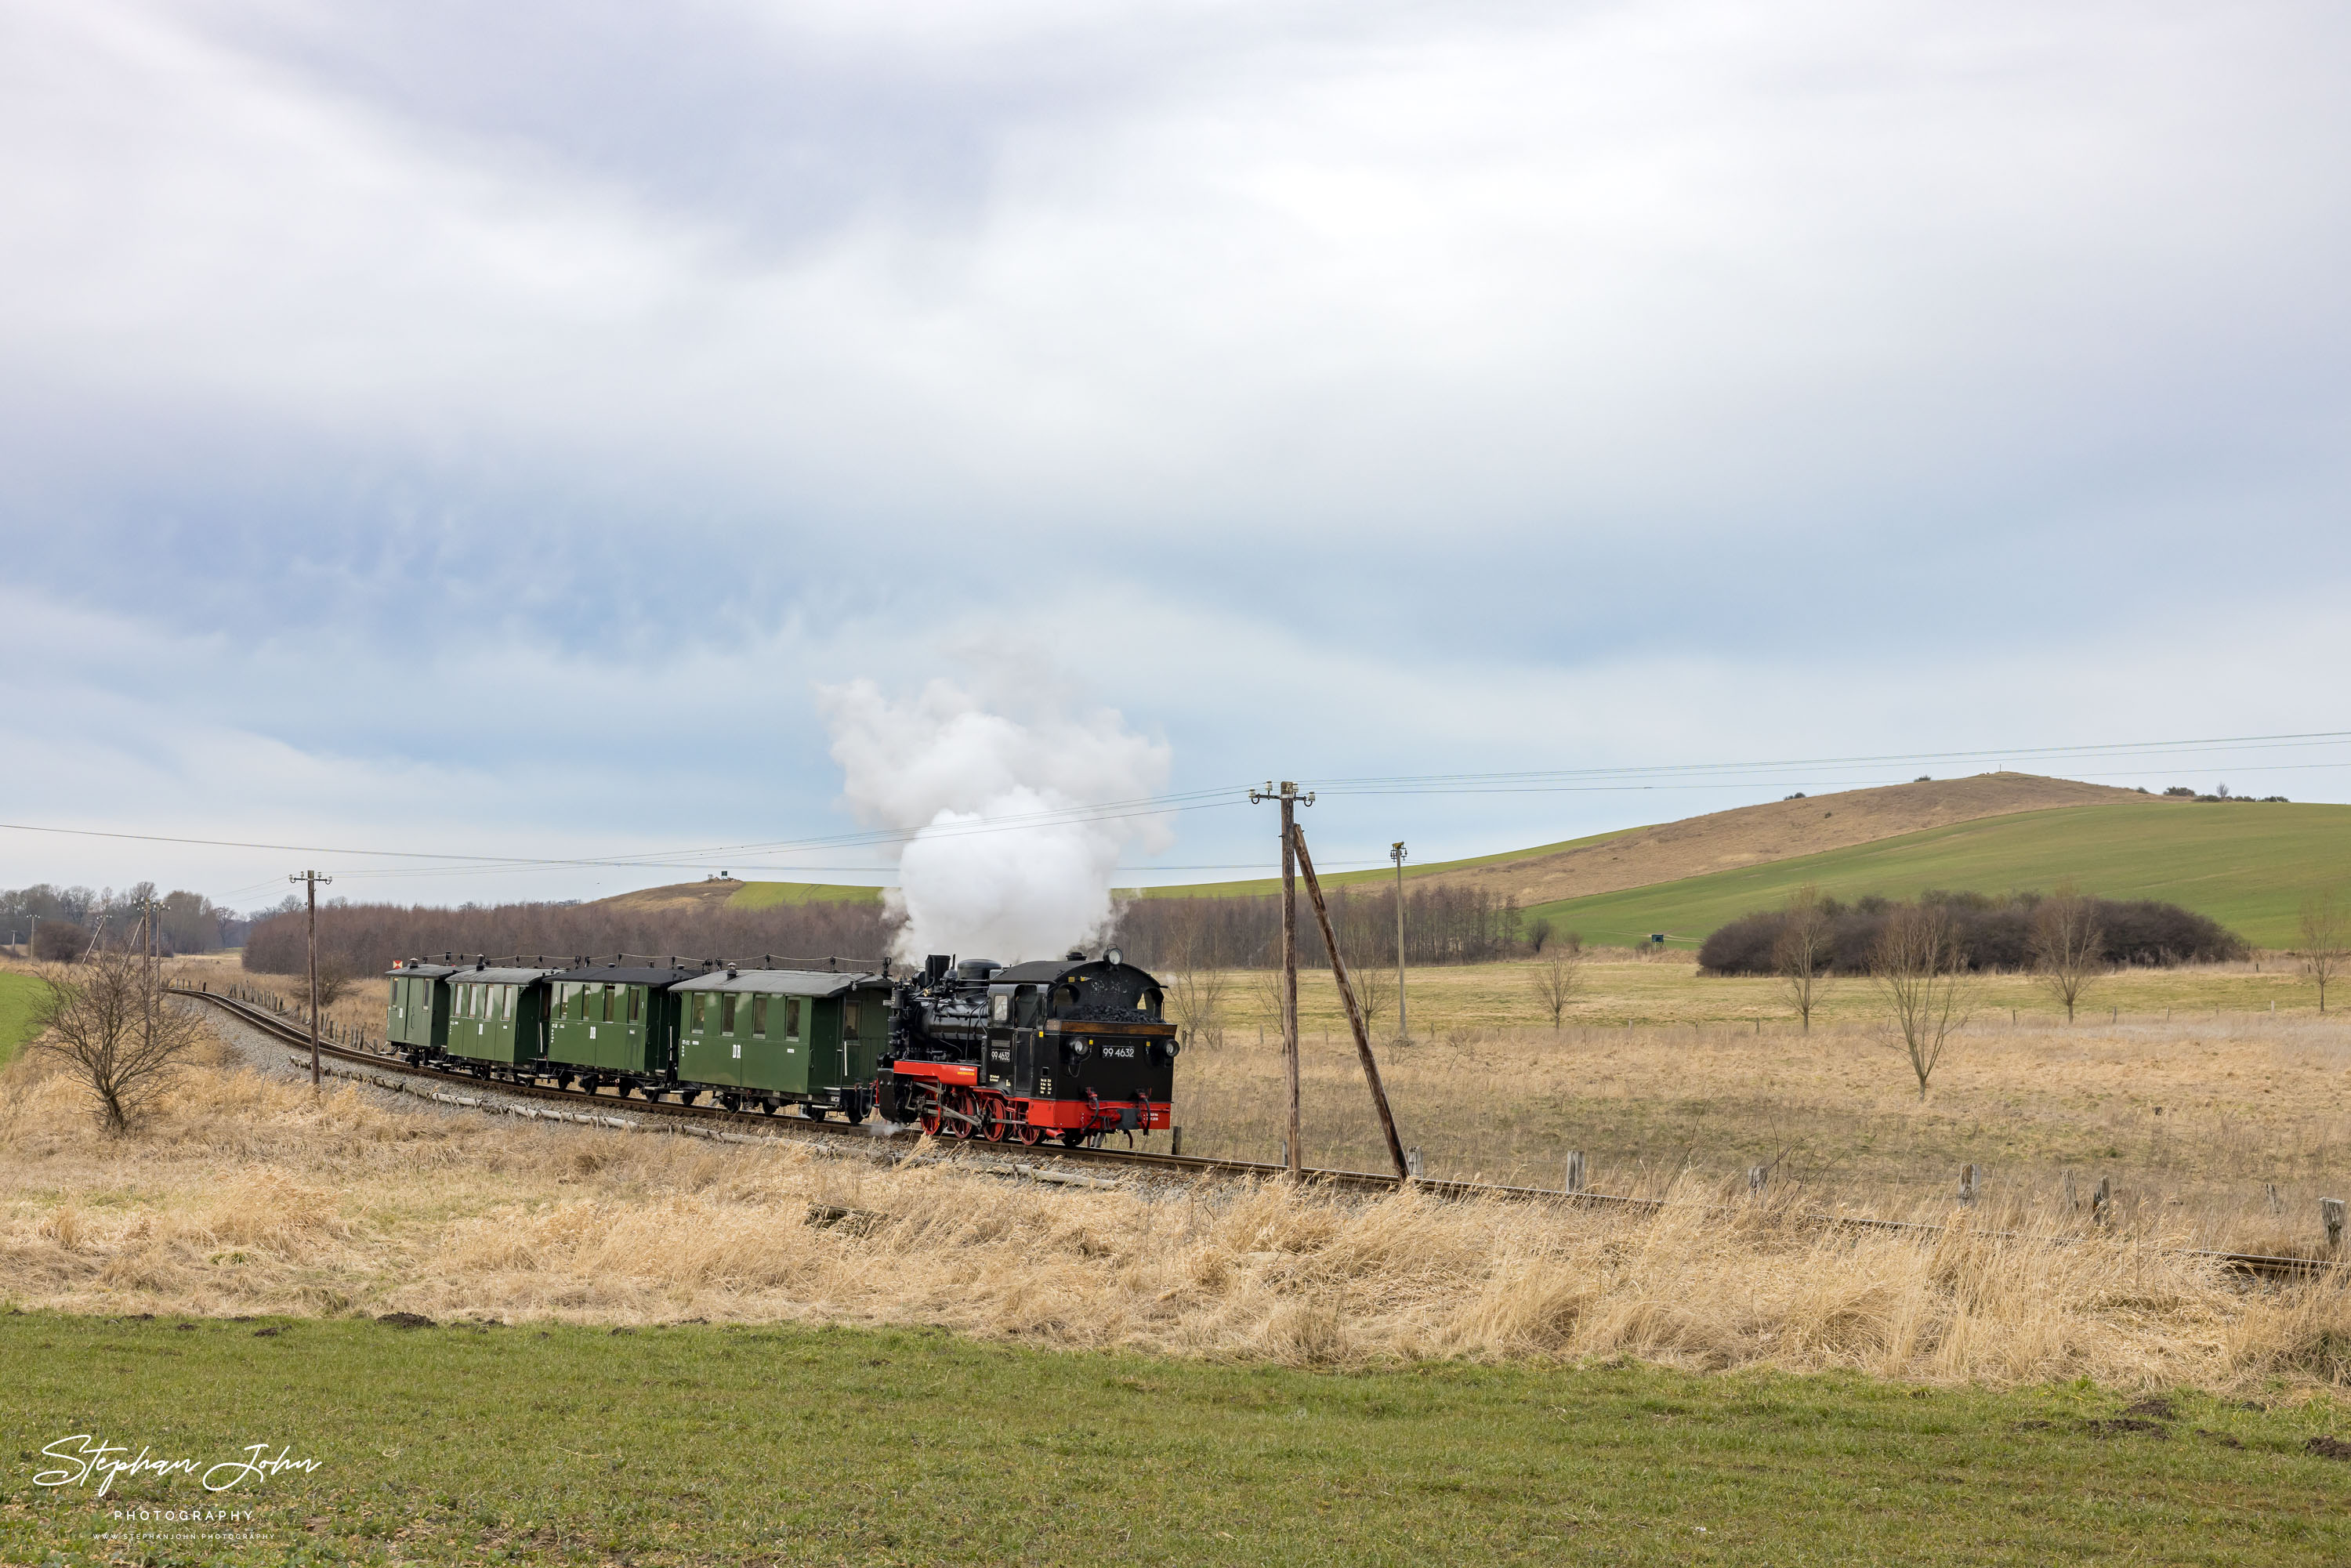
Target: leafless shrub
{"x": 336, "y": 979}
{"x": 1921, "y": 973}
{"x": 116, "y": 1032}
{"x": 1558, "y": 976}
{"x": 1196, "y": 1001}
{"x": 2069, "y": 945}
{"x": 1804, "y": 950}
{"x": 2325, "y": 940}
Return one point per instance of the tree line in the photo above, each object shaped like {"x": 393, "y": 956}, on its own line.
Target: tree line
{"x": 364, "y": 938}
{"x": 1442, "y": 926}
{"x": 64, "y": 923}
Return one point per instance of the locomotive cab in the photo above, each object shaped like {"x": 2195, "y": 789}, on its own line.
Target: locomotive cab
{"x": 1061, "y": 1031}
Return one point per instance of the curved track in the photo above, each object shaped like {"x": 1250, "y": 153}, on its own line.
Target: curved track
{"x": 276, "y": 1025}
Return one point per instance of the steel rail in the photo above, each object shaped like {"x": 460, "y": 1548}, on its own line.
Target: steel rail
{"x": 2260, "y": 1264}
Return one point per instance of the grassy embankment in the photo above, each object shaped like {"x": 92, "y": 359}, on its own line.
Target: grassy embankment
{"x": 708, "y": 1444}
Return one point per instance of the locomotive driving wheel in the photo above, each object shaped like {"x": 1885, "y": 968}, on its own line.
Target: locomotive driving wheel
{"x": 1030, "y": 1136}
{"x": 963, "y": 1124}
{"x": 930, "y": 1121}
{"x": 992, "y": 1124}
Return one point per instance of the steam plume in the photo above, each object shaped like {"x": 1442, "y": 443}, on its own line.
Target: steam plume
{"x": 945, "y": 760}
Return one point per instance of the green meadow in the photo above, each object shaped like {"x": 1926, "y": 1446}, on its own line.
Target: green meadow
{"x": 770, "y": 894}
{"x": 732, "y": 1445}
{"x": 18, "y": 995}
{"x": 2248, "y": 867}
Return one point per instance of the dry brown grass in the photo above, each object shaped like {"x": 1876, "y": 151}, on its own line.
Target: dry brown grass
{"x": 252, "y": 1195}
{"x": 2220, "y": 1133}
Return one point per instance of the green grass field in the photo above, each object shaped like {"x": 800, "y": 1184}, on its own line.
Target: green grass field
{"x": 691, "y": 1445}
{"x": 2246, "y": 867}
{"x": 17, "y": 995}
{"x": 770, "y": 894}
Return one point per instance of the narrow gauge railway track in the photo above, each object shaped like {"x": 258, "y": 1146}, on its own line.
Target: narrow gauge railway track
{"x": 2258, "y": 1264}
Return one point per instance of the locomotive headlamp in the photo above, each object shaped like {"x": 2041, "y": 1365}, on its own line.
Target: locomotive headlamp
{"x": 1112, "y": 955}
{"x": 1078, "y": 1048}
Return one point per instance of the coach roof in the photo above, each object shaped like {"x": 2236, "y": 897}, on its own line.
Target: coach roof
{"x": 420, "y": 972}
{"x": 782, "y": 982}
{"x": 499, "y": 976}
{"x": 621, "y": 975}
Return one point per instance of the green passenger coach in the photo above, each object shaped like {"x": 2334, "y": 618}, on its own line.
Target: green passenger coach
{"x": 771, "y": 1037}
{"x": 497, "y": 1016}
{"x": 613, "y": 1024}
{"x": 417, "y": 1019}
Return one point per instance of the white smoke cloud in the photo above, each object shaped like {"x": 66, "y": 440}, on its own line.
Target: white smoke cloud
{"x": 941, "y": 763}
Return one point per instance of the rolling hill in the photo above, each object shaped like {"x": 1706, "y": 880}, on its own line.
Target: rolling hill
{"x": 2247, "y": 864}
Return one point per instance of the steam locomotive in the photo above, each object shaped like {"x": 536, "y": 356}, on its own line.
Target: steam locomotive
{"x": 1071, "y": 1049}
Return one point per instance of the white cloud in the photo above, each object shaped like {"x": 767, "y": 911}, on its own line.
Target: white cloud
{"x": 1383, "y": 388}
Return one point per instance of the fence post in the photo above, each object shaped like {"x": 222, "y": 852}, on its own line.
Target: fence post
{"x": 1967, "y": 1183}
{"x": 2072, "y": 1198}
{"x": 2102, "y": 1203}
{"x": 1175, "y": 1140}
{"x": 2277, "y": 1204}
{"x": 1575, "y": 1170}
{"x": 2330, "y": 1210}
{"x": 1412, "y": 1162}
{"x": 1757, "y": 1177}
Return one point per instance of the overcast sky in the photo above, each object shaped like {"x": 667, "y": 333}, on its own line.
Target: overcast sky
{"x": 483, "y": 431}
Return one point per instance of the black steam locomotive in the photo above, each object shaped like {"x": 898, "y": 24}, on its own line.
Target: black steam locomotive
{"x": 1071, "y": 1050}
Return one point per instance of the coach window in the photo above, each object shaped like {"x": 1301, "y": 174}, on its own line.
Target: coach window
{"x": 851, "y": 1015}
{"x": 726, "y": 1013}
{"x": 758, "y": 1018}
{"x": 791, "y": 1017}
{"x": 636, "y": 1003}
{"x": 697, "y": 1009}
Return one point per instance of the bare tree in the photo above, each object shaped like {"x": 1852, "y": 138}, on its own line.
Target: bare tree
{"x": 1374, "y": 987}
{"x": 1801, "y": 956}
{"x": 2069, "y": 946}
{"x": 1558, "y": 976}
{"x": 116, "y": 1030}
{"x": 1918, "y": 971}
{"x": 2325, "y": 940}
{"x": 1196, "y": 993}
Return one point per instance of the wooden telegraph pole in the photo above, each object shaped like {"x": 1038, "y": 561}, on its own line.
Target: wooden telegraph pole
{"x": 1290, "y": 801}
{"x": 310, "y": 880}
{"x": 1396, "y": 853}
{"x": 1354, "y": 1010}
